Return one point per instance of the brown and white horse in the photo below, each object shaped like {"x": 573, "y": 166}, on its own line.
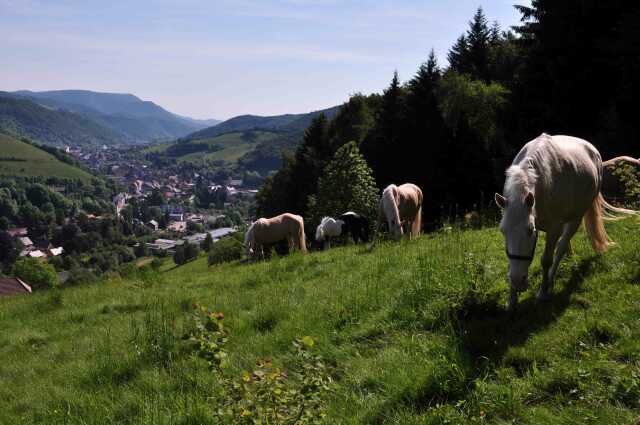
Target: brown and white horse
{"x": 552, "y": 185}
{"x": 265, "y": 232}
{"x": 401, "y": 207}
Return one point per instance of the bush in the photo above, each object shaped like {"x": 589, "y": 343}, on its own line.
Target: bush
{"x": 226, "y": 249}
{"x": 156, "y": 264}
{"x": 36, "y": 273}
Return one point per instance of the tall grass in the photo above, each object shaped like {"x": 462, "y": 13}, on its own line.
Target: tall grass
{"x": 412, "y": 332}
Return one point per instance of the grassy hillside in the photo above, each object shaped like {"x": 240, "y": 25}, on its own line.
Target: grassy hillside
{"x": 227, "y": 147}
{"x": 409, "y": 333}
{"x": 22, "y": 159}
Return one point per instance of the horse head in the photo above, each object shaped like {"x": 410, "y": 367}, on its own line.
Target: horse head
{"x": 520, "y": 234}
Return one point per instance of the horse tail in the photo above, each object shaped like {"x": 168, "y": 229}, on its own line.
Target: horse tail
{"x": 319, "y": 232}
{"x": 594, "y": 224}
{"x": 417, "y": 221}
{"x": 249, "y": 239}
{"x": 301, "y": 237}
{"x": 612, "y": 213}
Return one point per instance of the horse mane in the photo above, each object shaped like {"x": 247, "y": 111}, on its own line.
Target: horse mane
{"x": 389, "y": 203}
{"x": 520, "y": 181}
{"x": 320, "y": 228}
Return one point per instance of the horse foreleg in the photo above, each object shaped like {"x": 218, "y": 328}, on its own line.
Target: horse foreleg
{"x": 549, "y": 273}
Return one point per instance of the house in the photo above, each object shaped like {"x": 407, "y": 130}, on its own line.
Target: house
{"x": 177, "y": 226}
{"x": 26, "y": 242}
{"x": 13, "y": 286}
{"x": 176, "y": 216}
{"x": 221, "y": 232}
{"x": 17, "y": 231}
{"x": 54, "y": 252}
{"x": 153, "y": 224}
{"x": 36, "y": 254}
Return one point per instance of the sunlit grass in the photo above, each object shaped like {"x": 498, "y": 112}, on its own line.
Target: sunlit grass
{"x": 414, "y": 332}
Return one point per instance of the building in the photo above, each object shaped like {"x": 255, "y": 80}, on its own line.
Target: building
{"x": 221, "y": 232}
{"x": 17, "y": 231}
{"x": 177, "y": 226}
{"x": 153, "y": 224}
{"x": 13, "y": 286}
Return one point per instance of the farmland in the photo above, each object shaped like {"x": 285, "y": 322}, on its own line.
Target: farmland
{"x": 24, "y": 160}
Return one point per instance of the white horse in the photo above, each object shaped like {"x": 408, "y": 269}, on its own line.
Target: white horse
{"x": 327, "y": 229}
{"x": 401, "y": 207}
{"x": 553, "y": 183}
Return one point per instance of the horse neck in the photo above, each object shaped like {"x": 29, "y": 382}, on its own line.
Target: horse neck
{"x": 391, "y": 206}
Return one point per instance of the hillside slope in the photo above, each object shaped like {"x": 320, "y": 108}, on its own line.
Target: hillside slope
{"x": 25, "y": 118}
{"x": 410, "y": 333}
{"x": 21, "y": 159}
{"x": 283, "y": 123}
{"x": 127, "y": 116}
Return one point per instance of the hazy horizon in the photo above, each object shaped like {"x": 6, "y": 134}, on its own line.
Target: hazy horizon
{"x": 226, "y": 58}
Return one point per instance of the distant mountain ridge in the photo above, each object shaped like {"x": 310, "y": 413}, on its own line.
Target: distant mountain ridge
{"x": 130, "y": 119}
{"x": 287, "y": 123}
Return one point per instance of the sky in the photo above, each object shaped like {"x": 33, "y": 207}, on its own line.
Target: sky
{"x": 222, "y": 58}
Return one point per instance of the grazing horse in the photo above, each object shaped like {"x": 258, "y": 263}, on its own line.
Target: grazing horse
{"x": 553, "y": 183}
{"x": 612, "y": 186}
{"x": 355, "y": 225}
{"x": 265, "y": 232}
{"x": 327, "y": 229}
{"x": 401, "y": 208}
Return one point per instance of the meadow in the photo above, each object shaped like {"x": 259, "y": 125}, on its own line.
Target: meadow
{"x": 24, "y": 160}
{"x": 396, "y": 333}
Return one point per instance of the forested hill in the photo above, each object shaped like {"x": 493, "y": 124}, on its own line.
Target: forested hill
{"x": 288, "y": 123}
{"x": 25, "y": 118}
{"x": 570, "y": 67}
{"x": 120, "y": 118}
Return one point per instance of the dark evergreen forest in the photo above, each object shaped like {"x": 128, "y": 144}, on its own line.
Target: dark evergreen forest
{"x": 570, "y": 67}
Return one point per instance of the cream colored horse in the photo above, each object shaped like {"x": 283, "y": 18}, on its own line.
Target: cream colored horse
{"x": 265, "y": 232}
{"x": 553, "y": 183}
{"x": 401, "y": 207}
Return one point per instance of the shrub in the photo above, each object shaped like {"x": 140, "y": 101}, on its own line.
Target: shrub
{"x": 226, "y": 249}
{"x": 36, "y": 273}
{"x": 156, "y": 264}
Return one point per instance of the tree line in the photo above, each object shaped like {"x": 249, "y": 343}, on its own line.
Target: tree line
{"x": 568, "y": 68}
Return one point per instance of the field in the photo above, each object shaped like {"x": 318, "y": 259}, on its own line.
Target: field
{"x": 400, "y": 333}
{"x": 21, "y": 159}
{"x": 231, "y": 146}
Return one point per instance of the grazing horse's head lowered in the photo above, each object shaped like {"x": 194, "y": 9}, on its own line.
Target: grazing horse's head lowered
{"x": 518, "y": 225}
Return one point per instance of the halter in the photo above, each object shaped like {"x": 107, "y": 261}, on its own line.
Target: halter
{"x": 524, "y": 257}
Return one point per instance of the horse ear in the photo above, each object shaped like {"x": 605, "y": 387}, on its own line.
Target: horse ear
{"x": 529, "y": 200}
{"x": 501, "y": 201}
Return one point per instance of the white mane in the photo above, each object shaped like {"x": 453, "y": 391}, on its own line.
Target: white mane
{"x": 519, "y": 182}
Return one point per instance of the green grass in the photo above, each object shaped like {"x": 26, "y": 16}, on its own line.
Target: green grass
{"x": 234, "y": 146}
{"x": 413, "y": 332}
{"x": 33, "y": 162}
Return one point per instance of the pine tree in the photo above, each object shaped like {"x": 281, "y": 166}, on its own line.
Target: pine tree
{"x": 458, "y": 56}
{"x": 207, "y": 243}
{"x": 478, "y": 41}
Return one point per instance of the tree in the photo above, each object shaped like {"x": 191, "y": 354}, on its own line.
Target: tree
{"x": 141, "y": 250}
{"x": 36, "y": 273}
{"x": 207, "y": 243}
{"x": 8, "y": 248}
{"x": 190, "y": 251}
{"x": 347, "y": 184}
{"x": 478, "y": 37}
{"x": 179, "y": 256}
